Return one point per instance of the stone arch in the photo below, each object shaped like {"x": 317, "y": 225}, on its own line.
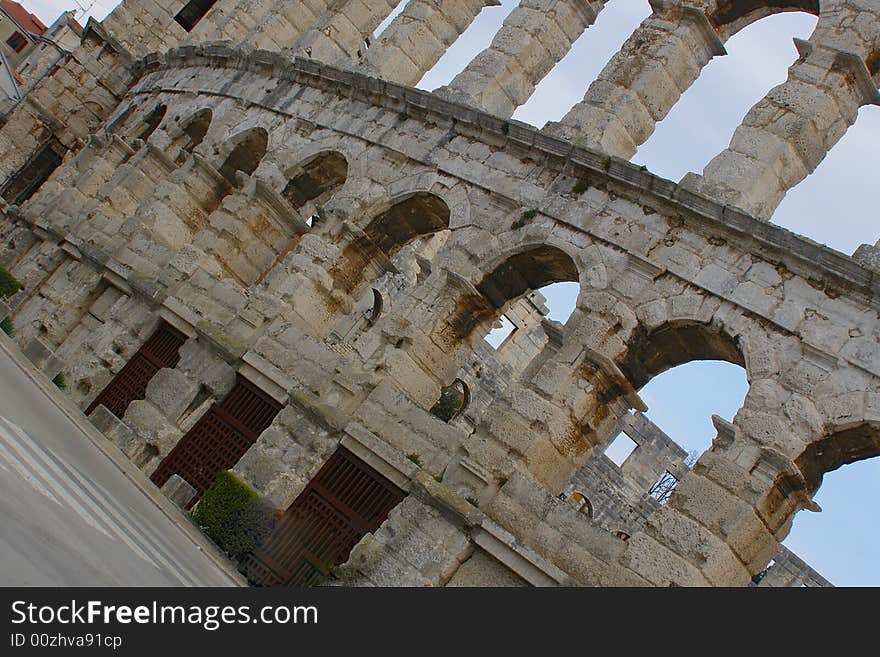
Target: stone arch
{"x": 731, "y": 16}
{"x": 316, "y": 178}
{"x": 581, "y": 503}
{"x": 419, "y": 214}
{"x": 529, "y": 267}
{"x": 527, "y": 270}
{"x": 247, "y": 151}
{"x": 194, "y": 129}
{"x": 453, "y": 401}
{"x": 151, "y": 122}
{"x": 650, "y": 353}
{"x": 454, "y": 194}
{"x": 838, "y": 447}
{"x": 368, "y": 252}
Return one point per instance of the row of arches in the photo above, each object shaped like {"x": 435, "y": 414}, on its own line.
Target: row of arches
{"x": 531, "y": 267}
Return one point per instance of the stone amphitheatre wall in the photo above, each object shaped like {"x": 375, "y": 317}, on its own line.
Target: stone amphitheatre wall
{"x": 344, "y": 242}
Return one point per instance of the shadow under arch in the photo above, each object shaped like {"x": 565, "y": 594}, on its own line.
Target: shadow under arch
{"x": 673, "y": 344}
{"x": 194, "y": 130}
{"x": 528, "y": 270}
{"x": 368, "y": 253}
{"x": 249, "y": 150}
{"x": 420, "y": 214}
{"x": 731, "y": 16}
{"x": 836, "y": 449}
{"x": 151, "y": 122}
{"x": 316, "y": 178}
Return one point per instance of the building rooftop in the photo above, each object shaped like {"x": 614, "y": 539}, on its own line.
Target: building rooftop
{"x": 23, "y": 17}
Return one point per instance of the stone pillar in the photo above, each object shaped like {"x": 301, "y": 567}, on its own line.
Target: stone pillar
{"x": 275, "y": 25}
{"x": 642, "y": 82}
{"x": 788, "y": 133}
{"x": 869, "y": 255}
{"x": 534, "y": 38}
{"x": 338, "y": 36}
{"x": 419, "y": 36}
{"x": 724, "y": 521}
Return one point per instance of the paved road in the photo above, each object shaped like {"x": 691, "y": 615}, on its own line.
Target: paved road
{"x": 68, "y": 516}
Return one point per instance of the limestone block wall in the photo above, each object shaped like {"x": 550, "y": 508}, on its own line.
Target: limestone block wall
{"x": 620, "y": 500}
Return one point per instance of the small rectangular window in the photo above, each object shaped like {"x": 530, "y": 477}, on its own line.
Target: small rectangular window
{"x": 663, "y": 487}
{"x": 192, "y": 12}
{"x": 620, "y": 449}
{"x": 497, "y": 336}
{"x": 17, "y": 41}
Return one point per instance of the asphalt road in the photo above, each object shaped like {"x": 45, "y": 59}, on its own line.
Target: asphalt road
{"x": 69, "y": 517}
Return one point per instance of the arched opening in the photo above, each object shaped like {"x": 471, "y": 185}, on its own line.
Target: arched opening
{"x": 19, "y": 187}
{"x": 733, "y": 15}
{"x": 247, "y": 154}
{"x": 195, "y": 130}
{"x": 850, "y": 170}
{"x": 686, "y": 373}
{"x": 420, "y": 214}
{"x": 564, "y": 86}
{"x": 453, "y": 401}
{"x": 759, "y": 53}
{"x": 372, "y": 315}
{"x": 650, "y": 354}
{"x": 580, "y": 502}
{"x": 840, "y": 542}
{"x": 529, "y": 271}
{"x": 317, "y": 179}
{"x": 838, "y": 449}
{"x": 367, "y": 256}
{"x": 151, "y": 122}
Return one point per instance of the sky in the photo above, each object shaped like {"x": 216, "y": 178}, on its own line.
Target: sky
{"x": 836, "y": 206}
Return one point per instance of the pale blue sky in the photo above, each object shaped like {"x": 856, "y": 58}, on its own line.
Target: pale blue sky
{"x": 835, "y": 206}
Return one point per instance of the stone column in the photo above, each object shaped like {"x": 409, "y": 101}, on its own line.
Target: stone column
{"x": 788, "y": 133}
{"x": 534, "y": 38}
{"x": 419, "y": 36}
{"x": 725, "y": 520}
{"x": 642, "y": 82}
{"x": 869, "y": 255}
{"x": 338, "y": 36}
{"x": 276, "y": 25}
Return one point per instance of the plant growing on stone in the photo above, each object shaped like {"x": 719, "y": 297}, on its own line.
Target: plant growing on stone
{"x": 60, "y": 381}
{"x": 450, "y": 402}
{"x": 7, "y": 327}
{"x": 9, "y": 284}
{"x": 234, "y": 515}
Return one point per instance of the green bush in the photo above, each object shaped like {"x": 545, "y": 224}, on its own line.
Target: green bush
{"x": 449, "y": 404}
{"x": 6, "y": 326}
{"x": 60, "y": 381}
{"x": 9, "y": 284}
{"x": 234, "y": 515}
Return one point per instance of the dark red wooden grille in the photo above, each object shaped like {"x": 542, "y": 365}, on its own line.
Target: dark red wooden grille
{"x": 344, "y": 501}
{"x": 219, "y": 438}
{"x": 130, "y": 383}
